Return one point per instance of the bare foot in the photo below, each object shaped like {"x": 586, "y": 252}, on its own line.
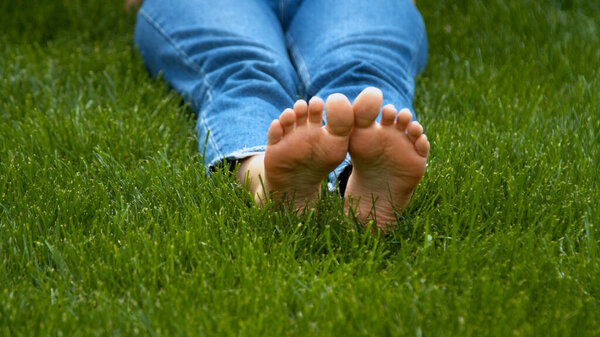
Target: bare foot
{"x": 300, "y": 151}
{"x": 388, "y": 159}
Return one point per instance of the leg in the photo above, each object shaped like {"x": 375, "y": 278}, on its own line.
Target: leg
{"x": 232, "y": 65}
{"x": 346, "y": 47}
{"x": 228, "y": 58}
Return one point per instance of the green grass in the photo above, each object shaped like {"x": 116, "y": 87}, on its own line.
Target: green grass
{"x": 108, "y": 225}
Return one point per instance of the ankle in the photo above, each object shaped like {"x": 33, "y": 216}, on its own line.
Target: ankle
{"x": 251, "y": 175}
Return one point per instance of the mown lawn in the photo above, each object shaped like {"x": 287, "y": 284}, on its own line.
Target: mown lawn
{"x": 109, "y": 226}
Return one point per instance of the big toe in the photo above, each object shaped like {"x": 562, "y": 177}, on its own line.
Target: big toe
{"x": 366, "y": 107}
{"x": 340, "y": 117}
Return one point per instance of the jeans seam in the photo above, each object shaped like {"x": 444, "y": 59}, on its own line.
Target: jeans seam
{"x": 282, "y": 12}
{"x": 300, "y": 64}
{"x": 422, "y": 39}
{"x": 190, "y": 64}
{"x": 420, "y": 46}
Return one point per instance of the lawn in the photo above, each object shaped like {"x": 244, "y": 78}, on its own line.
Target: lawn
{"x": 109, "y": 226}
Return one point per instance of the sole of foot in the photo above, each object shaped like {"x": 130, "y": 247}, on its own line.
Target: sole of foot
{"x": 388, "y": 159}
{"x": 301, "y": 151}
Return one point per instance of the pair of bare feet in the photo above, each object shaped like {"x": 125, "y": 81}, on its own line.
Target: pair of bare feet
{"x": 388, "y": 158}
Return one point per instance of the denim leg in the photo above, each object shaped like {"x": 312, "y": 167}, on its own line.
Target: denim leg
{"x": 229, "y": 60}
{"x": 345, "y": 46}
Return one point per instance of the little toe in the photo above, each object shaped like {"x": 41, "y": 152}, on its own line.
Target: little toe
{"x": 275, "y": 132}
{"x": 414, "y": 130}
{"x": 315, "y": 110}
{"x": 340, "y": 117}
{"x": 287, "y": 119}
{"x": 404, "y": 117}
{"x": 301, "y": 111}
{"x": 422, "y": 146}
{"x": 388, "y": 114}
{"x": 366, "y": 107}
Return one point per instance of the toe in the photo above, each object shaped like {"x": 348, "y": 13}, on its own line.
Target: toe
{"x": 422, "y": 146}
{"x": 404, "y": 117}
{"x": 301, "y": 110}
{"x": 275, "y": 132}
{"x": 287, "y": 120}
{"x": 414, "y": 130}
{"x": 340, "y": 117}
{"x": 315, "y": 110}
{"x": 366, "y": 107}
{"x": 388, "y": 114}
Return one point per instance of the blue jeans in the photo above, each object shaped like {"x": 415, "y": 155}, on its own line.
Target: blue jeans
{"x": 241, "y": 62}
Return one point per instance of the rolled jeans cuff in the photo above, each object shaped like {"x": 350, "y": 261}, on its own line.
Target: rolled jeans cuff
{"x": 236, "y": 155}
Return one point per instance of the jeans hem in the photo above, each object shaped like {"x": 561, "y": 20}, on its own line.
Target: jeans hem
{"x": 237, "y": 155}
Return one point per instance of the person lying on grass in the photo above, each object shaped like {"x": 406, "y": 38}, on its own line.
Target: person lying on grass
{"x": 240, "y": 63}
